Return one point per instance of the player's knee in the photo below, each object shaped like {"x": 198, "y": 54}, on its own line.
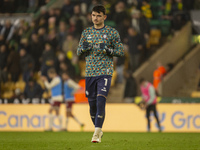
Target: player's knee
{"x": 93, "y": 106}
{"x": 101, "y": 102}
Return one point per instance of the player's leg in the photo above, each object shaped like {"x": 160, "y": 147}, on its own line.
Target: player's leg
{"x": 91, "y": 92}
{"x": 67, "y": 115}
{"x": 103, "y": 86}
{"x": 156, "y": 116}
{"x": 69, "y": 110}
{"x": 51, "y": 117}
{"x": 57, "y": 110}
{"x": 93, "y": 108}
{"x": 100, "y": 115}
{"x": 148, "y": 110}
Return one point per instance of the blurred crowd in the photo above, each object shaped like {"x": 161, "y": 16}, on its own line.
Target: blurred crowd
{"x": 29, "y": 49}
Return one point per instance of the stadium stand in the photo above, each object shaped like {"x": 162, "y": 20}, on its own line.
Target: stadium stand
{"x": 41, "y": 28}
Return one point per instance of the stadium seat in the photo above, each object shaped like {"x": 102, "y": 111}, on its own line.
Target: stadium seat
{"x": 154, "y": 39}
{"x": 8, "y": 94}
{"x": 165, "y": 26}
{"x": 20, "y": 85}
{"x": 195, "y": 94}
{"x": 154, "y": 23}
{"x": 9, "y": 86}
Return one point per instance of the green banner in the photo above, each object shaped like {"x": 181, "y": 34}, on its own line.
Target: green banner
{"x": 179, "y": 100}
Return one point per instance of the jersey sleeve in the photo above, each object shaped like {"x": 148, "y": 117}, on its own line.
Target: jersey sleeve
{"x": 53, "y": 83}
{"x": 117, "y": 45}
{"x": 152, "y": 95}
{"x": 73, "y": 85}
{"x": 83, "y": 38}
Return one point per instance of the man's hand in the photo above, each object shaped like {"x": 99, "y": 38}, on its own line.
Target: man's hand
{"x": 43, "y": 78}
{"x": 86, "y": 47}
{"x": 108, "y": 51}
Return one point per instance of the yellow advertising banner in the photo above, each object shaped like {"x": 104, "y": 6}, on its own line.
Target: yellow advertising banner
{"x": 119, "y": 118}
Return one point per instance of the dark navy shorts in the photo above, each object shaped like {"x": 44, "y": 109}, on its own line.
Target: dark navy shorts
{"x": 97, "y": 85}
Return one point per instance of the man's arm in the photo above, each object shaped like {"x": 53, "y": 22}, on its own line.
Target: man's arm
{"x": 152, "y": 95}
{"x": 118, "y": 49}
{"x": 83, "y": 46}
{"x": 73, "y": 85}
{"x": 53, "y": 83}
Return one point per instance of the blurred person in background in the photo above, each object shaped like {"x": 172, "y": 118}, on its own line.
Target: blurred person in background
{"x": 62, "y": 33}
{"x": 27, "y": 64}
{"x": 32, "y": 89}
{"x": 150, "y": 99}
{"x": 78, "y": 15}
{"x": 51, "y": 23}
{"x": 120, "y": 69}
{"x": 120, "y": 13}
{"x": 130, "y": 90}
{"x": 76, "y": 26}
{"x": 89, "y": 20}
{"x": 67, "y": 9}
{"x": 69, "y": 47}
{"x": 55, "y": 85}
{"x": 140, "y": 23}
{"x": 108, "y": 6}
{"x": 3, "y": 60}
{"x": 24, "y": 44}
{"x": 47, "y": 59}
{"x": 122, "y": 28}
{"x": 7, "y": 31}
{"x": 135, "y": 44}
{"x": 52, "y": 40}
{"x": 158, "y": 75}
{"x": 70, "y": 87}
{"x": 146, "y": 9}
{"x": 42, "y": 36}
{"x": 13, "y": 65}
{"x": 2, "y": 41}
{"x": 92, "y": 4}
{"x": 36, "y": 50}
{"x": 63, "y": 64}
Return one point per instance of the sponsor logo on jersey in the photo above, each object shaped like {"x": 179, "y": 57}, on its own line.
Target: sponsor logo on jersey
{"x": 104, "y": 89}
{"x": 86, "y": 92}
{"x": 100, "y": 116}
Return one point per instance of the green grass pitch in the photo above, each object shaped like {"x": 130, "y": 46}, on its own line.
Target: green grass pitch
{"x": 110, "y": 141}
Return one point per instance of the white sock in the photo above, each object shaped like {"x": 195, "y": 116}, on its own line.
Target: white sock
{"x": 51, "y": 118}
{"x": 97, "y": 130}
{"x": 67, "y": 120}
{"x": 77, "y": 121}
{"x": 60, "y": 121}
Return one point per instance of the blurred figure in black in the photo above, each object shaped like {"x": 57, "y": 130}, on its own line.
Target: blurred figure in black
{"x": 32, "y": 90}
{"x": 130, "y": 90}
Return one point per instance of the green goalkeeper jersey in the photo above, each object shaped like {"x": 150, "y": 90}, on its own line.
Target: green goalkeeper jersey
{"x": 97, "y": 61}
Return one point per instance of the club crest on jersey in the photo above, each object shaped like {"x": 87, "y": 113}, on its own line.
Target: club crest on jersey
{"x": 89, "y": 37}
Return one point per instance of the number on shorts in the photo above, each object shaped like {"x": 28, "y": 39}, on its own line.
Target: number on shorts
{"x": 106, "y": 81}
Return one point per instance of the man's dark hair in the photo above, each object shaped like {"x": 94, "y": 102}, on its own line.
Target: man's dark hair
{"x": 99, "y": 8}
{"x": 52, "y": 71}
{"x": 141, "y": 80}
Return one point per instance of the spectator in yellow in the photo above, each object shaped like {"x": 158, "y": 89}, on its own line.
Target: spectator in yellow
{"x": 146, "y": 9}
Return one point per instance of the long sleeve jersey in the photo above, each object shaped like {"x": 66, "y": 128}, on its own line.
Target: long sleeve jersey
{"x": 97, "y": 61}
